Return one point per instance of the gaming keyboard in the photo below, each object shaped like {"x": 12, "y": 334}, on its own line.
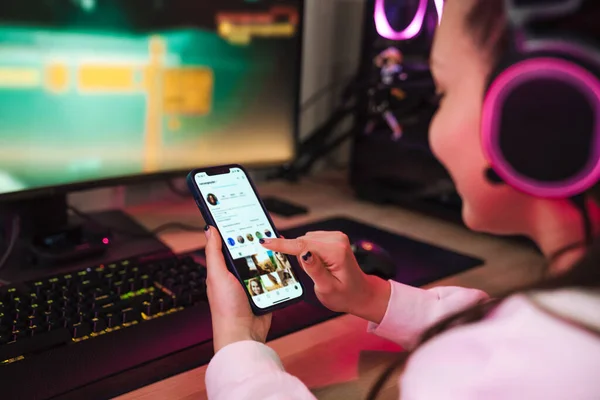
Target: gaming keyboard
{"x": 77, "y": 330}
{"x": 80, "y": 306}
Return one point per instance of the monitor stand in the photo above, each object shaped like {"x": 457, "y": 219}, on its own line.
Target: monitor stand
{"x": 51, "y": 240}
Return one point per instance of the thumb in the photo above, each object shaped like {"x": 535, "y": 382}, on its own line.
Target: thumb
{"x": 215, "y": 262}
{"x": 316, "y": 270}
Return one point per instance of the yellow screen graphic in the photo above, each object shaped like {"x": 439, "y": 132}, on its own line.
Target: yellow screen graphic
{"x": 240, "y": 28}
{"x": 188, "y": 91}
{"x": 103, "y": 78}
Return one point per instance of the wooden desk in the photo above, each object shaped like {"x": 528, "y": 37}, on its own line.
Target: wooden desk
{"x": 338, "y": 359}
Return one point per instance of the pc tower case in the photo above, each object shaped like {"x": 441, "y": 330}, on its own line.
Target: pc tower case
{"x": 391, "y": 160}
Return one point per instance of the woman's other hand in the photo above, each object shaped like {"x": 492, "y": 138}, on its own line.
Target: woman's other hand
{"x": 340, "y": 284}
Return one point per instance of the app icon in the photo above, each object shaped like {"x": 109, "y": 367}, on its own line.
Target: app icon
{"x": 231, "y": 242}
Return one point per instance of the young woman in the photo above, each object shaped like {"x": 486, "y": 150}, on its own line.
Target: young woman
{"x": 538, "y": 343}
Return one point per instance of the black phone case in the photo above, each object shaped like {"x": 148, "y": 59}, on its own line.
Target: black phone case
{"x": 203, "y": 207}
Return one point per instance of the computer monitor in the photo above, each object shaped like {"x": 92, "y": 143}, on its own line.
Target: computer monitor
{"x": 95, "y": 91}
{"x": 105, "y": 92}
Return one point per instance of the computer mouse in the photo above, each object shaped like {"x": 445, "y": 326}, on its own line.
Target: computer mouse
{"x": 374, "y": 259}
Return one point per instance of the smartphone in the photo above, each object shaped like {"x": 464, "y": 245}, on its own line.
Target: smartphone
{"x": 228, "y": 200}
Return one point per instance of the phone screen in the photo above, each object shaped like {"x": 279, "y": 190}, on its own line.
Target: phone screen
{"x": 236, "y": 210}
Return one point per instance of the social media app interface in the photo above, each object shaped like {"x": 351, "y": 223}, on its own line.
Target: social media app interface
{"x": 267, "y": 275}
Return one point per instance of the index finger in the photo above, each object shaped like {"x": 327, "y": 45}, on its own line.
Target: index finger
{"x": 295, "y": 247}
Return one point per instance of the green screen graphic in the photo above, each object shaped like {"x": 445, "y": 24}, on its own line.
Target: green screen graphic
{"x": 96, "y": 94}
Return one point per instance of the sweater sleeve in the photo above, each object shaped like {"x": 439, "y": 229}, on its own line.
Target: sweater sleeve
{"x": 412, "y": 310}
{"x": 251, "y": 371}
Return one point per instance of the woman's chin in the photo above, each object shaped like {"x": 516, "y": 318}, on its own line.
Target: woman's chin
{"x": 473, "y": 220}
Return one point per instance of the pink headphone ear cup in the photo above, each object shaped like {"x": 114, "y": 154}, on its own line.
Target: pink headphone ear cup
{"x": 541, "y": 127}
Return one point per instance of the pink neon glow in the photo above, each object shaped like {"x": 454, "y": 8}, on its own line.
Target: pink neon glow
{"x": 105, "y": 241}
{"x": 501, "y": 88}
{"x": 385, "y": 29}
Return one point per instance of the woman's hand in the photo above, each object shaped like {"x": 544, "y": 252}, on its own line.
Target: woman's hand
{"x": 340, "y": 284}
{"x": 232, "y": 317}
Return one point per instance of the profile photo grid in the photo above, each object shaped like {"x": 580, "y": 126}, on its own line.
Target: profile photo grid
{"x": 265, "y": 272}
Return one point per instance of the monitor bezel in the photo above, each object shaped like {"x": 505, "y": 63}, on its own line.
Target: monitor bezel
{"x": 141, "y": 178}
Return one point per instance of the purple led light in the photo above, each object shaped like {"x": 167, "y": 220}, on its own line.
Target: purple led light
{"x": 385, "y": 29}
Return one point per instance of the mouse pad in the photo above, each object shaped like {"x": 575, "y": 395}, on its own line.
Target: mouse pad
{"x": 417, "y": 263}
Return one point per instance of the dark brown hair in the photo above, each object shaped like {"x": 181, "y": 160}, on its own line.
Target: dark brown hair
{"x": 487, "y": 23}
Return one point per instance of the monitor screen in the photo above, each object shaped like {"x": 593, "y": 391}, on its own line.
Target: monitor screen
{"x": 92, "y": 90}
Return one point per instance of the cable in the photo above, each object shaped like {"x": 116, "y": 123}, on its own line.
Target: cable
{"x": 315, "y": 97}
{"x": 14, "y": 236}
